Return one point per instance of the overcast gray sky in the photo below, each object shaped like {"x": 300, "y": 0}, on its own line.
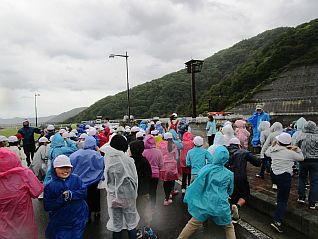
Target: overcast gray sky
{"x": 60, "y": 48}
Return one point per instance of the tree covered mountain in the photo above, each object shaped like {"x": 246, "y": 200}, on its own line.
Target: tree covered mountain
{"x": 228, "y": 78}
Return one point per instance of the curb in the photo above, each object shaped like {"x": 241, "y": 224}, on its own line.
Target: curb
{"x": 245, "y": 230}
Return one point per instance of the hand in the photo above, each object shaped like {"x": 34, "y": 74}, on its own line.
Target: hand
{"x": 294, "y": 148}
{"x": 274, "y": 143}
{"x": 66, "y": 195}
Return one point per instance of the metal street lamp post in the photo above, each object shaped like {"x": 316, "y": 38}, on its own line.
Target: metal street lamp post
{"x": 36, "y": 109}
{"x": 128, "y": 98}
{"x": 193, "y": 66}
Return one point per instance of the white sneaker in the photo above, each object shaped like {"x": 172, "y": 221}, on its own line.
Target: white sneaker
{"x": 183, "y": 191}
{"x": 274, "y": 186}
{"x": 235, "y": 214}
{"x": 40, "y": 196}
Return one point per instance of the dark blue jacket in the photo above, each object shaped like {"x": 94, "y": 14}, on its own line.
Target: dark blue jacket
{"x": 67, "y": 218}
{"x": 28, "y": 134}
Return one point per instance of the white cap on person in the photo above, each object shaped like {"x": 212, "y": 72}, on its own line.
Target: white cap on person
{"x": 72, "y": 135}
{"x": 3, "y": 138}
{"x": 91, "y": 131}
{"x": 62, "y": 131}
{"x": 135, "y": 129}
{"x": 62, "y": 161}
{"x": 154, "y": 132}
{"x": 50, "y": 127}
{"x": 43, "y": 140}
{"x": 65, "y": 135}
{"x": 198, "y": 141}
{"x": 83, "y": 136}
{"x": 284, "y": 138}
{"x": 139, "y": 135}
{"x": 12, "y": 139}
{"x": 259, "y": 107}
{"x": 167, "y": 135}
{"x": 235, "y": 140}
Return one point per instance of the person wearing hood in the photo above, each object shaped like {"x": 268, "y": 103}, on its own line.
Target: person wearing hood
{"x": 143, "y": 125}
{"x": 308, "y": 143}
{"x": 39, "y": 165}
{"x": 103, "y": 136}
{"x": 283, "y": 156}
{"x": 207, "y": 197}
{"x": 64, "y": 199}
{"x": 241, "y": 133}
{"x": 155, "y": 159}
{"x": 57, "y": 147}
{"x": 275, "y": 130}
{"x": 188, "y": 144}
{"x": 121, "y": 184}
{"x": 237, "y": 164}
{"x": 228, "y": 133}
{"x": 258, "y": 116}
{"x": 50, "y": 131}
{"x": 210, "y": 129}
{"x": 300, "y": 123}
{"x": 159, "y": 127}
{"x": 182, "y": 127}
{"x": 14, "y": 146}
{"x": 173, "y": 122}
{"x": 88, "y": 164}
{"x": 27, "y": 133}
{"x": 264, "y": 129}
{"x": 218, "y": 141}
{"x": 198, "y": 157}
{"x": 144, "y": 176}
{"x": 18, "y": 185}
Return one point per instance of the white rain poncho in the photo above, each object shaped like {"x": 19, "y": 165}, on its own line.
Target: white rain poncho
{"x": 228, "y": 133}
{"x": 121, "y": 183}
{"x": 40, "y": 162}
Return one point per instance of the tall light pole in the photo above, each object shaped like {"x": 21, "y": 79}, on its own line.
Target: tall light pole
{"x": 128, "y": 99}
{"x": 36, "y": 109}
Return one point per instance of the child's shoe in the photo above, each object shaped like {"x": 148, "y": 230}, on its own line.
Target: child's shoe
{"x": 259, "y": 176}
{"x": 167, "y": 202}
{"x": 149, "y": 233}
{"x": 277, "y": 226}
{"x": 301, "y": 200}
{"x": 274, "y": 186}
{"x": 175, "y": 192}
{"x": 312, "y": 206}
{"x": 235, "y": 213}
{"x": 139, "y": 233}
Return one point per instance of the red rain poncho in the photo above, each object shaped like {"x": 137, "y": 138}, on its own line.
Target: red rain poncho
{"x": 17, "y": 186}
{"x": 188, "y": 144}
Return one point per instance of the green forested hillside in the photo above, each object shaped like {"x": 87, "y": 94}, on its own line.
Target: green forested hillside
{"x": 228, "y": 77}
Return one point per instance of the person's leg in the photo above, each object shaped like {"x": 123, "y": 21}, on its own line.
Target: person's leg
{"x": 153, "y": 192}
{"x": 210, "y": 140}
{"x": 263, "y": 167}
{"x": 117, "y": 235}
{"x": 32, "y": 150}
{"x": 229, "y": 231}
{"x": 190, "y": 228}
{"x": 132, "y": 234}
{"x": 313, "y": 177}
{"x": 167, "y": 189}
{"x": 27, "y": 153}
{"x": 189, "y": 179}
{"x": 184, "y": 181}
{"x": 302, "y": 180}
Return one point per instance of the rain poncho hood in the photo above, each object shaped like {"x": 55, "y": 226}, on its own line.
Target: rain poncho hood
{"x": 160, "y": 129}
{"x": 143, "y": 125}
{"x": 187, "y": 145}
{"x": 264, "y": 125}
{"x": 310, "y": 127}
{"x": 150, "y": 142}
{"x": 207, "y": 197}
{"x": 17, "y": 186}
{"x": 299, "y": 131}
{"x": 228, "y": 133}
{"x": 308, "y": 141}
{"x": 218, "y": 141}
{"x": 153, "y": 155}
{"x": 276, "y": 127}
{"x": 240, "y": 123}
{"x": 87, "y": 163}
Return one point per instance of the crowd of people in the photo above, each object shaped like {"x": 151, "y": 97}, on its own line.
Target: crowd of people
{"x": 67, "y": 168}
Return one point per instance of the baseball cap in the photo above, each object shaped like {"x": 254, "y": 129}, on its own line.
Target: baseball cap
{"x": 154, "y": 132}
{"x": 167, "y": 135}
{"x": 43, "y": 140}
{"x": 12, "y": 139}
{"x": 284, "y": 138}
{"x": 198, "y": 141}
{"x": 135, "y": 129}
{"x": 50, "y": 127}
{"x": 66, "y": 135}
{"x": 259, "y": 107}
{"x": 62, "y": 161}
{"x": 3, "y": 138}
{"x": 83, "y": 136}
{"x": 139, "y": 135}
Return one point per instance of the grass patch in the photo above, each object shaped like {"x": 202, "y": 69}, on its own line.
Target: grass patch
{"x": 13, "y": 131}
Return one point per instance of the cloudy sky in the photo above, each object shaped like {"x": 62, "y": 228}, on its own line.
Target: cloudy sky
{"x": 60, "y": 48}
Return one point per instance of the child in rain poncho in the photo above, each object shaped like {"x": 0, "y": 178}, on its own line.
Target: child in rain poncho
{"x": 64, "y": 199}
{"x": 218, "y": 141}
{"x": 39, "y": 164}
{"x": 188, "y": 144}
{"x": 241, "y": 133}
{"x": 207, "y": 197}
{"x": 264, "y": 129}
{"x": 121, "y": 183}
{"x": 14, "y": 146}
{"x": 18, "y": 185}
{"x": 228, "y": 133}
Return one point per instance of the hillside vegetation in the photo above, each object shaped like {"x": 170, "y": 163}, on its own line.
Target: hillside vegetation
{"x": 228, "y": 78}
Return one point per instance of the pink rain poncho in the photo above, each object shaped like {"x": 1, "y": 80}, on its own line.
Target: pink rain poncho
{"x": 169, "y": 170}
{"x": 188, "y": 144}
{"x": 18, "y": 186}
{"x": 241, "y": 133}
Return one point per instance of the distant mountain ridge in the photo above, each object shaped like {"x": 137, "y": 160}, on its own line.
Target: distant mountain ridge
{"x": 49, "y": 119}
{"x": 228, "y": 78}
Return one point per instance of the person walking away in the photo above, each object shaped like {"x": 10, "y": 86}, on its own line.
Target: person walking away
{"x": 210, "y": 129}
{"x": 64, "y": 199}
{"x": 300, "y": 123}
{"x": 258, "y": 116}
{"x": 169, "y": 172}
{"x": 264, "y": 129}
{"x": 88, "y": 164}
{"x": 18, "y": 185}
{"x": 241, "y": 133}
{"x": 228, "y": 133}
{"x": 39, "y": 165}
{"x": 308, "y": 143}
{"x": 159, "y": 127}
{"x": 283, "y": 156}
{"x": 218, "y": 141}
{"x": 173, "y": 122}
{"x": 14, "y": 146}
{"x": 144, "y": 176}
{"x": 207, "y": 197}
{"x": 121, "y": 184}
{"x": 27, "y": 133}
{"x": 182, "y": 127}
{"x": 198, "y": 157}
{"x": 188, "y": 144}
{"x": 237, "y": 164}
{"x": 155, "y": 158}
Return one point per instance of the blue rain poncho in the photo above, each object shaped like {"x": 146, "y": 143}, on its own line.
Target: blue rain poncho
{"x": 255, "y": 119}
{"x": 88, "y": 163}
{"x": 67, "y": 219}
{"x": 177, "y": 141}
{"x": 208, "y": 196}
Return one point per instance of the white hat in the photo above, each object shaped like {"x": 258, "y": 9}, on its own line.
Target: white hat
{"x": 75, "y": 131}
{"x": 135, "y": 129}
{"x": 198, "y": 141}
{"x": 3, "y": 138}
{"x": 174, "y": 114}
{"x": 72, "y": 135}
{"x": 87, "y": 126}
{"x": 167, "y": 135}
{"x": 154, "y": 132}
{"x": 83, "y": 136}
{"x": 152, "y": 122}
{"x": 101, "y": 128}
{"x": 62, "y": 161}
{"x": 259, "y": 107}
{"x": 235, "y": 140}
{"x": 143, "y": 131}
{"x": 13, "y": 139}
{"x": 50, "y": 127}
{"x": 91, "y": 131}
{"x": 25, "y": 120}
{"x": 158, "y": 122}
{"x": 284, "y": 138}
{"x": 43, "y": 140}
{"x": 127, "y": 127}
{"x": 139, "y": 135}
{"x": 120, "y": 129}
{"x": 61, "y": 131}
{"x": 51, "y": 138}
{"x": 65, "y": 135}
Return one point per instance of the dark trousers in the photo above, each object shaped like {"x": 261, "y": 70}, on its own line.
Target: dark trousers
{"x": 186, "y": 180}
{"x": 266, "y": 162}
{"x": 153, "y": 191}
{"x": 308, "y": 167}
{"x": 211, "y": 139}
{"x": 29, "y": 150}
{"x": 283, "y": 182}
{"x": 131, "y": 234}
{"x": 168, "y": 187}
{"x": 93, "y": 198}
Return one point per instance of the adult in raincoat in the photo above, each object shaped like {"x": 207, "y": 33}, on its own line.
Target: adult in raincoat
{"x": 18, "y": 185}
{"x": 67, "y": 214}
{"x": 88, "y": 164}
{"x": 121, "y": 183}
{"x": 207, "y": 197}
{"x": 258, "y": 116}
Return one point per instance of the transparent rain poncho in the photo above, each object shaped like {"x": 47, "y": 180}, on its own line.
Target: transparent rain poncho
{"x": 121, "y": 184}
